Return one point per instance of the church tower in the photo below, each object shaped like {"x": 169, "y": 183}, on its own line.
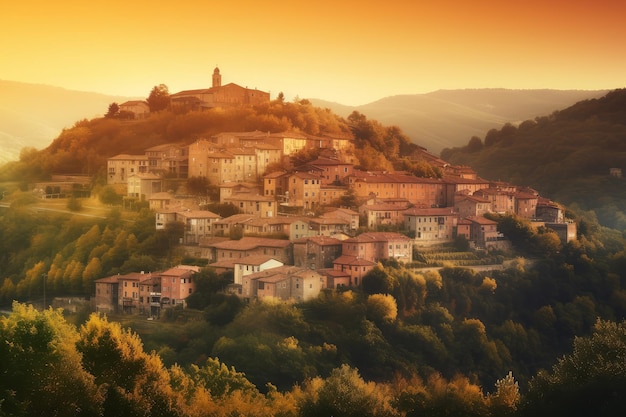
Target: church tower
{"x": 217, "y": 78}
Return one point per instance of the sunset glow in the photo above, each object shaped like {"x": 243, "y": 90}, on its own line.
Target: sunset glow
{"x": 351, "y": 52}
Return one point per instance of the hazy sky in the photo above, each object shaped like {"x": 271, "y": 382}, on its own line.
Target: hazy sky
{"x": 349, "y": 51}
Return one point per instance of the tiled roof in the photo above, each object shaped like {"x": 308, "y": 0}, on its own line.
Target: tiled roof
{"x": 247, "y": 243}
{"x": 443, "y": 211}
{"x": 377, "y": 237}
{"x": 199, "y": 214}
{"x": 353, "y": 261}
{"x": 481, "y": 220}
{"x": 255, "y": 260}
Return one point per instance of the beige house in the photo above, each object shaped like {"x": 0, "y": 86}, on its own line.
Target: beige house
{"x": 138, "y": 108}
{"x": 256, "y": 205}
{"x": 483, "y": 232}
{"x": 431, "y": 225}
{"x": 121, "y": 167}
{"x": 471, "y": 205}
{"x": 380, "y": 213}
{"x": 143, "y": 186}
{"x": 279, "y": 249}
{"x": 425, "y": 192}
{"x": 198, "y": 224}
{"x": 250, "y": 265}
{"x": 374, "y": 246}
{"x": 285, "y": 283}
{"x": 169, "y": 159}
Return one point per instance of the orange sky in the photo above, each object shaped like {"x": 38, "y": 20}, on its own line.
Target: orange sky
{"x": 349, "y": 51}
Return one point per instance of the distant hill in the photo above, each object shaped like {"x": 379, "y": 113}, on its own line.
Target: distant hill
{"x": 449, "y": 118}
{"x": 33, "y": 115}
{"x": 567, "y": 156}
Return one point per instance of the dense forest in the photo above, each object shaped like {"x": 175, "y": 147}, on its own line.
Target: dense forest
{"x": 566, "y": 156}
{"x": 543, "y": 335}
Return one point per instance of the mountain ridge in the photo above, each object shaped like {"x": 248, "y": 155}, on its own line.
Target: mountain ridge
{"x": 31, "y": 117}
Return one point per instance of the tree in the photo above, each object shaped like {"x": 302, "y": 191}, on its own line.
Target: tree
{"x": 40, "y": 368}
{"x": 382, "y": 308}
{"x": 113, "y": 111}
{"x": 133, "y": 381}
{"x": 344, "y": 393}
{"x": 159, "y": 98}
{"x": 590, "y": 381}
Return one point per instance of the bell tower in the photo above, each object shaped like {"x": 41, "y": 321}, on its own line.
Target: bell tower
{"x": 217, "y": 77}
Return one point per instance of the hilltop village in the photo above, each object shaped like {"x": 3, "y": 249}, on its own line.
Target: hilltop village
{"x": 303, "y": 224}
{"x": 294, "y": 235}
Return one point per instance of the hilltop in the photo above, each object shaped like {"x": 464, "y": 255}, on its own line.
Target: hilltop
{"x": 32, "y": 115}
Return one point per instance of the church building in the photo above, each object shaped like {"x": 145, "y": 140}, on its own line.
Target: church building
{"x": 229, "y": 95}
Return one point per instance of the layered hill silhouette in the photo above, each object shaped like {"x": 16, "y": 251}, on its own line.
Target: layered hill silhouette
{"x": 32, "y": 115}
{"x": 448, "y": 118}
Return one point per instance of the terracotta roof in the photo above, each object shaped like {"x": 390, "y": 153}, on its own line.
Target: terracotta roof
{"x": 385, "y": 207}
{"x": 481, "y": 220}
{"x": 255, "y": 260}
{"x": 247, "y": 243}
{"x": 377, "y": 237}
{"x": 125, "y": 156}
{"x": 319, "y": 240}
{"x": 353, "y": 261}
{"x": 177, "y": 272}
{"x": 444, "y": 211}
{"x": 199, "y": 214}
{"x": 236, "y": 219}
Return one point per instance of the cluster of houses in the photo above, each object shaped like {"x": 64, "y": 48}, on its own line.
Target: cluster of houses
{"x": 289, "y": 240}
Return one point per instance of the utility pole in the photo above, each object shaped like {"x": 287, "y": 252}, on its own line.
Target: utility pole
{"x": 44, "y": 276}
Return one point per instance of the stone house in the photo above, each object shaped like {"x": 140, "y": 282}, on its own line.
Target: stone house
{"x": 279, "y": 249}
{"x": 383, "y": 214}
{"x": 471, "y": 205}
{"x": 424, "y": 192}
{"x": 431, "y": 225}
{"x": 483, "y": 232}
{"x": 375, "y": 246}
{"x": 502, "y": 200}
{"x": 143, "y": 186}
{"x": 348, "y": 271}
{"x": 177, "y": 284}
{"x": 138, "y": 108}
{"x": 169, "y": 159}
{"x": 316, "y": 252}
{"x": 198, "y": 224}
{"x": 122, "y": 166}
{"x": 253, "y": 204}
{"x": 286, "y": 283}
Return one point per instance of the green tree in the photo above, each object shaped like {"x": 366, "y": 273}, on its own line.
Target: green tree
{"x": 344, "y": 393}
{"x": 133, "y": 382}
{"x": 591, "y": 381}
{"x": 159, "y": 98}
{"x": 40, "y": 369}
{"x": 113, "y": 111}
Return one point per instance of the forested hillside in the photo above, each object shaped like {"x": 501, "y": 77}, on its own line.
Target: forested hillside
{"x": 566, "y": 156}
{"x": 544, "y": 333}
